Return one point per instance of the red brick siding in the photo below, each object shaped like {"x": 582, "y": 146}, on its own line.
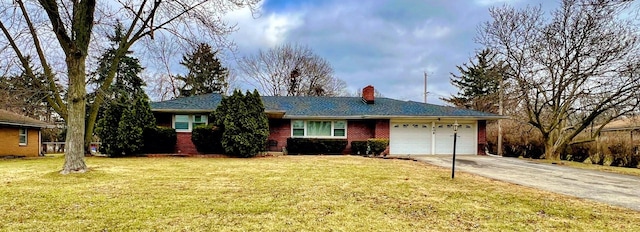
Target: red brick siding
{"x": 184, "y": 144}
{"x": 382, "y": 129}
{"x": 482, "y": 136}
{"x": 359, "y": 130}
{"x": 279, "y": 130}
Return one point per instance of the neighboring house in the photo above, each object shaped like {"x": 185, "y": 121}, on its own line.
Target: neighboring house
{"x": 627, "y": 128}
{"x": 412, "y": 128}
{"x": 20, "y": 135}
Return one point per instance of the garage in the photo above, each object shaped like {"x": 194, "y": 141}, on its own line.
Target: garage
{"x": 428, "y": 137}
{"x": 410, "y": 138}
{"x": 466, "y": 144}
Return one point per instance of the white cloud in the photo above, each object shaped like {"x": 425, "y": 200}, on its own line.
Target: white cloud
{"x": 493, "y": 2}
{"x": 264, "y": 31}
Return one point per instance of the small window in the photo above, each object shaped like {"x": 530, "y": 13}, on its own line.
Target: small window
{"x": 23, "y": 136}
{"x": 199, "y": 120}
{"x": 298, "y": 128}
{"x": 339, "y": 128}
{"x": 181, "y": 122}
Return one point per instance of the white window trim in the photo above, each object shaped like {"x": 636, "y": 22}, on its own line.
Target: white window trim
{"x": 26, "y": 136}
{"x": 191, "y": 121}
{"x": 333, "y": 123}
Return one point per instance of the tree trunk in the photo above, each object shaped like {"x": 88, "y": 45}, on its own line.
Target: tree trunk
{"x": 74, "y": 151}
{"x": 551, "y": 151}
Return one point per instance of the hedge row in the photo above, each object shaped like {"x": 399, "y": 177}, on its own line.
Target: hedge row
{"x": 309, "y": 146}
{"x": 159, "y": 140}
{"x": 370, "y": 146}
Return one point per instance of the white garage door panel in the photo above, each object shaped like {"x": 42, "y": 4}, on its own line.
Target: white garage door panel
{"x": 466, "y": 142}
{"x": 408, "y": 138}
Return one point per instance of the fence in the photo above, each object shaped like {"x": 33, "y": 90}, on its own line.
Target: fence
{"x": 58, "y": 147}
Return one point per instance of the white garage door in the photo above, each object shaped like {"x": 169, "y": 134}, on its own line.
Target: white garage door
{"x": 410, "y": 138}
{"x": 466, "y": 144}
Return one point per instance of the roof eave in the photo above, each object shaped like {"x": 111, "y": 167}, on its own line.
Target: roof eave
{"x": 26, "y": 125}
{"x": 183, "y": 110}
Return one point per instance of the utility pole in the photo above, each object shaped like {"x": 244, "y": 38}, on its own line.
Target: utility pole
{"x": 425, "y": 87}
{"x": 500, "y": 112}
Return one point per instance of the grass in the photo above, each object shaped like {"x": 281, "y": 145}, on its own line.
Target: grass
{"x": 589, "y": 166}
{"x": 289, "y": 193}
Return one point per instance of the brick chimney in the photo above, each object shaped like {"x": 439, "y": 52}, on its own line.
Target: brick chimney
{"x": 367, "y": 94}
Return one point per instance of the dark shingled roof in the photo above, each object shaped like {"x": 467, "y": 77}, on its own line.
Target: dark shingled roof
{"x": 331, "y": 107}
{"x": 10, "y": 118}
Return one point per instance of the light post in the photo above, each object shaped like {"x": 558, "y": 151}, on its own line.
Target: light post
{"x": 455, "y": 140}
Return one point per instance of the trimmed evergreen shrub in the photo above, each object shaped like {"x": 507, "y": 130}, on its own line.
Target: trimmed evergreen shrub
{"x": 244, "y": 124}
{"x": 359, "y": 147}
{"x": 377, "y": 146}
{"x": 159, "y": 140}
{"x": 208, "y": 139}
{"x": 309, "y": 146}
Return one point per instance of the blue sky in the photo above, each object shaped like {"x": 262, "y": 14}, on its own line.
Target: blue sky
{"x": 387, "y": 44}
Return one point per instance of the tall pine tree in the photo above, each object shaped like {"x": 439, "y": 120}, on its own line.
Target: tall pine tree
{"x": 206, "y": 74}
{"x": 127, "y": 112}
{"x": 478, "y": 83}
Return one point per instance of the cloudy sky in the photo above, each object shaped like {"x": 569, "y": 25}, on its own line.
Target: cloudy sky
{"x": 387, "y": 44}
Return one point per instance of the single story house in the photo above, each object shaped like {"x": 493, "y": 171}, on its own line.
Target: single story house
{"x": 412, "y": 128}
{"x": 20, "y": 135}
{"x": 626, "y": 128}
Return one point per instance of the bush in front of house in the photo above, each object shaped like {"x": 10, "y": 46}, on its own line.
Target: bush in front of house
{"x": 623, "y": 154}
{"x": 207, "y": 139}
{"x": 244, "y": 124}
{"x": 579, "y": 152}
{"x": 158, "y": 140}
{"x": 359, "y": 147}
{"x": 310, "y": 146}
{"x": 377, "y": 146}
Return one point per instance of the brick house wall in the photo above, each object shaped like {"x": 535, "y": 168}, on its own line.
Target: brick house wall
{"x": 279, "y": 131}
{"x": 184, "y": 145}
{"x": 10, "y": 140}
{"x": 382, "y": 129}
{"x": 357, "y": 130}
{"x": 482, "y": 137}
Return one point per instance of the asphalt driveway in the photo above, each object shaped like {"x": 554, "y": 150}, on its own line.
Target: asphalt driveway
{"x": 610, "y": 188}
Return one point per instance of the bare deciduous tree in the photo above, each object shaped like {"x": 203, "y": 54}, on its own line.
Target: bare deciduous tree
{"x": 49, "y": 30}
{"x": 291, "y": 70}
{"x": 579, "y": 66}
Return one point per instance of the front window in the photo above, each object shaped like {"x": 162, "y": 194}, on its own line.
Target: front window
{"x": 318, "y": 128}
{"x": 181, "y": 122}
{"x": 298, "y": 128}
{"x": 199, "y": 120}
{"x": 23, "y": 136}
{"x": 186, "y": 123}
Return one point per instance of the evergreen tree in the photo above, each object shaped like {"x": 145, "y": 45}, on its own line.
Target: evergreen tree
{"x": 127, "y": 112}
{"x": 107, "y": 128}
{"x": 244, "y": 124}
{"x": 478, "y": 83}
{"x": 206, "y": 74}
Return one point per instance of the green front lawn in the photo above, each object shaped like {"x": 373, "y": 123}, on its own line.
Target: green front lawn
{"x": 289, "y": 193}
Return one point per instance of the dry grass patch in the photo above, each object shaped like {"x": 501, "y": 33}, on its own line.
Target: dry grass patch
{"x": 288, "y": 193}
